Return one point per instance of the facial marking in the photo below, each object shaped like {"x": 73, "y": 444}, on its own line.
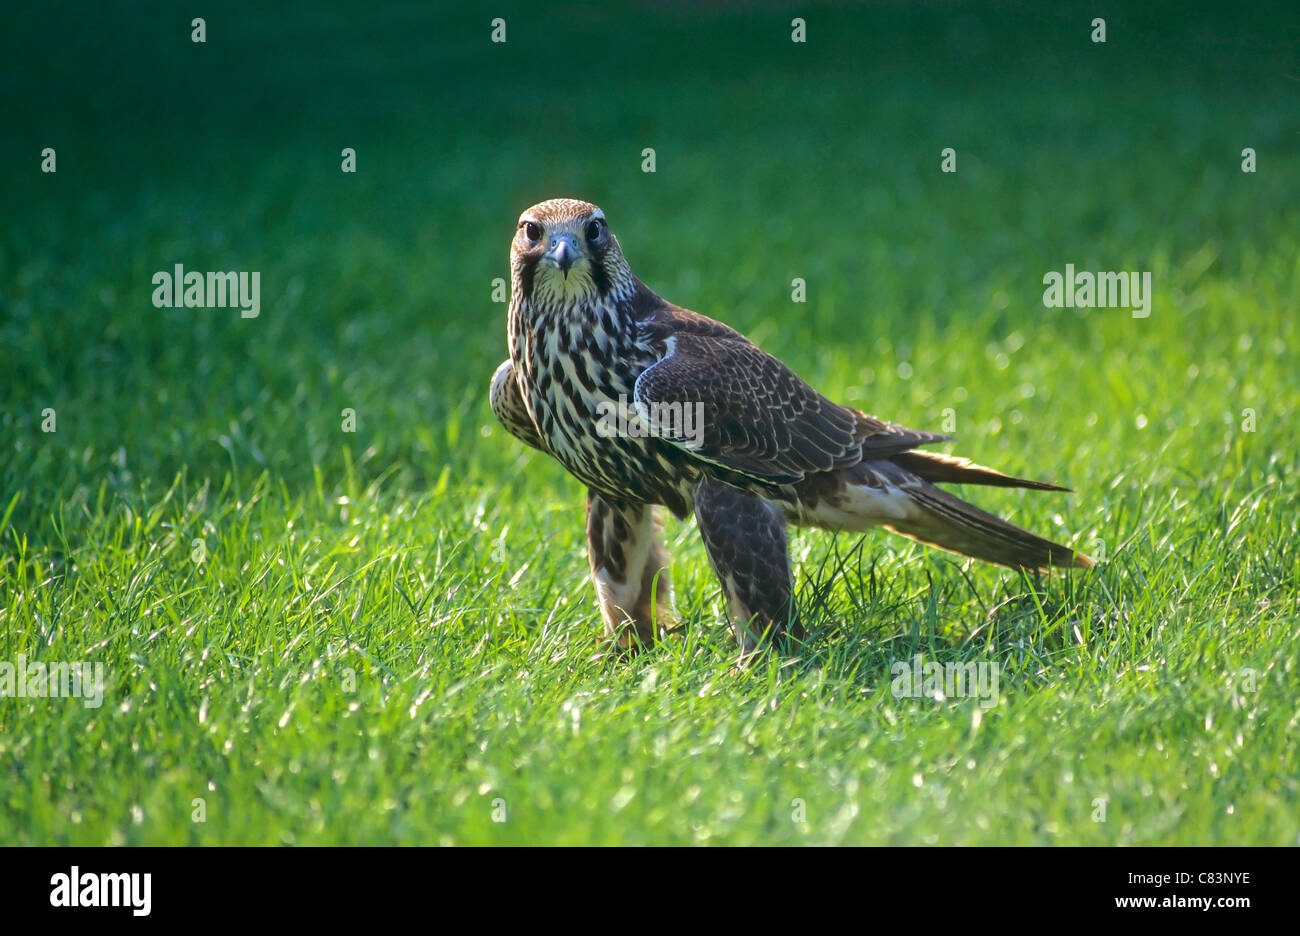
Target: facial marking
{"x": 559, "y": 253}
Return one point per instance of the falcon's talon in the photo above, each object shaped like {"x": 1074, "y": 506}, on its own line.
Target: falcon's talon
{"x": 772, "y": 450}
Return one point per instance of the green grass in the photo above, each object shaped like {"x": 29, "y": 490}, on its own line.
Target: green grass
{"x": 391, "y": 630}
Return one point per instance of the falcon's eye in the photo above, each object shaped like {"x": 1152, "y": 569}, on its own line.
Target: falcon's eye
{"x": 533, "y": 230}
{"x": 593, "y": 231}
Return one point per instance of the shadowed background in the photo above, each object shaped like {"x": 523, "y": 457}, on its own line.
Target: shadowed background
{"x": 775, "y": 160}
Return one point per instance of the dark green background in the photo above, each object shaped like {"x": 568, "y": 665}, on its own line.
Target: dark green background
{"x": 775, "y": 160}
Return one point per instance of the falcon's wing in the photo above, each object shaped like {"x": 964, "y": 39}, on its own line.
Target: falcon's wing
{"x": 759, "y": 417}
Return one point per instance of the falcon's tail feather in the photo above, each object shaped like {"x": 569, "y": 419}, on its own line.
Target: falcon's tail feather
{"x": 948, "y": 469}
{"x": 950, "y": 523}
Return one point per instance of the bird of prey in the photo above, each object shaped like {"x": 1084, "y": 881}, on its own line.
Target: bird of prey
{"x": 588, "y": 339}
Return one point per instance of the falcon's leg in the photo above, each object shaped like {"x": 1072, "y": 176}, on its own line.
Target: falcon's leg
{"x": 745, "y": 538}
{"x": 629, "y": 569}
{"x": 508, "y": 406}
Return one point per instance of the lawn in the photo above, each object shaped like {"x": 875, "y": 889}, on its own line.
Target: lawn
{"x": 311, "y": 635}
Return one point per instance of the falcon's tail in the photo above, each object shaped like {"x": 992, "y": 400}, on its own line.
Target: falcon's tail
{"x": 950, "y": 523}
{"x": 898, "y": 493}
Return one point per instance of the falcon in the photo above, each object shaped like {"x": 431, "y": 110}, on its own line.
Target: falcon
{"x": 588, "y": 341}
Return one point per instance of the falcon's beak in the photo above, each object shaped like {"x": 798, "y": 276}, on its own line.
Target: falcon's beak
{"x": 563, "y": 253}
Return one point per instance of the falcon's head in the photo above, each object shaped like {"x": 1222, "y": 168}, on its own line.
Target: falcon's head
{"x": 564, "y": 255}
